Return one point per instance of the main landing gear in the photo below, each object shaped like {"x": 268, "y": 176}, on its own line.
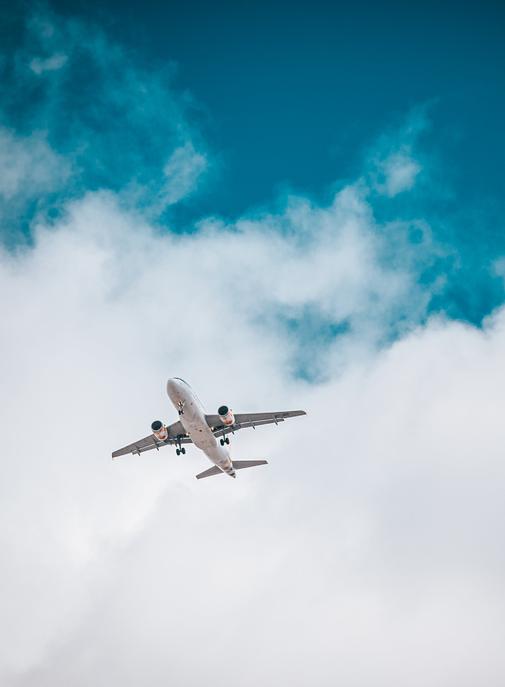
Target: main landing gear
{"x": 224, "y": 441}
{"x": 180, "y": 449}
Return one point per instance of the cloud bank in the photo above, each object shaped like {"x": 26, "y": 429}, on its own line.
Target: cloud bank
{"x": 376, "y": 529}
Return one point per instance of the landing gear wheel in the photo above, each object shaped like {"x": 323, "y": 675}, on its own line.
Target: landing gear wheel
{"x": 227, "y": 441}
{"x": 183, "y": 450}
{"x": 221, "y": 441}
{"x": 178, "y": 451}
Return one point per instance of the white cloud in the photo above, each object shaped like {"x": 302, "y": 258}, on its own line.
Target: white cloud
{"x": 39, "y": 65}
{"x": 394, "y": 161}
{"x": 28, "y": 166}
{"x": 498, "y": 267}
{"x": 369, "y": 550}
{"x": 182, "y": 172}
{"x": 397, "y": 173}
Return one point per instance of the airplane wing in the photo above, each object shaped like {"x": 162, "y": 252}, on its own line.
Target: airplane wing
{"x": 243, "y": 420}
{"x": 176, "y": 434}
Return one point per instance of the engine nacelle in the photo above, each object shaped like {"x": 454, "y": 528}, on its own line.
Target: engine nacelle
{"x": 160, "y": 430}
{"x": 226, "y": 415}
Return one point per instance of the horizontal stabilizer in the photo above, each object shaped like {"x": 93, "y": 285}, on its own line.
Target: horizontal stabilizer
{"x": 237, "y": 464}
{"x": 241, "y": 464}
{"x": 208, "y": 473}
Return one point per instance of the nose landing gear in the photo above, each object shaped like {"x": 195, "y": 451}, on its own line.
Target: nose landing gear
{"x": 180, "y": 407}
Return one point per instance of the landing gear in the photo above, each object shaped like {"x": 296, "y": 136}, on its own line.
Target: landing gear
{"x": 180, "y": 407}
{"x": 224, "y": 441}
{"x": 180, "y": 449}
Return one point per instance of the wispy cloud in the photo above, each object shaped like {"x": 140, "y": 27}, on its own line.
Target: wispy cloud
{"x": 31, "y": 176}
{"x": 397, "y": 173}
{"x": 28, "y": 166}
{"x": 393, "y": 161}
{"x": 182, "y": 171}
{"x": 49, "y": 64}
{"x": 116, "y": 123}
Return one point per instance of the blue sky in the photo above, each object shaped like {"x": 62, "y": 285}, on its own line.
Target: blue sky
{"x": 283, "y": 99}
{"x": 293, "y": 92}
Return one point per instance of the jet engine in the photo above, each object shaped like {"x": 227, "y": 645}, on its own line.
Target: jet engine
{"x": 226, "y": 415}
{"x": 159, "y": 430}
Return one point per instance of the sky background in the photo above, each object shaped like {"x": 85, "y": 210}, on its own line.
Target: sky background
{"x": 293, "y": 98}
{"x": 289, "y": 206}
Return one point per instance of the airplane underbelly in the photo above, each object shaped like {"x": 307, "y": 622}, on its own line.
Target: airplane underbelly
{"x": 206, "y": 441}
{"x": 194, "y": 422}
{"x": 198, "y": 430}
{"x": 202, "y": 438}
{"x": 202, "y": 441}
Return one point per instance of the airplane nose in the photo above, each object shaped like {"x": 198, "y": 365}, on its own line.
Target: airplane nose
{"x": 172, "y": 387}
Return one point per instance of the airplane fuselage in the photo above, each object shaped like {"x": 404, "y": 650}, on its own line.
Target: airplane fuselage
{"x": 192, "y": 418}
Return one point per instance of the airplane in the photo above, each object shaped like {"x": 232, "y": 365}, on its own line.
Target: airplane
{"x": 194, "y": 426}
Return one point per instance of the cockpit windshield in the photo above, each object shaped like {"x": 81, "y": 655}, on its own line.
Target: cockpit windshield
{"x": 182, "y": 380}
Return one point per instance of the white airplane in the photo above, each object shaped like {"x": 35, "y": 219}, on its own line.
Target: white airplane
{"x": 194, "y": 426}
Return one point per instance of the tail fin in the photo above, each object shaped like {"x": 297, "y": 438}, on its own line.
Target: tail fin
{"x": 237, "y": 464}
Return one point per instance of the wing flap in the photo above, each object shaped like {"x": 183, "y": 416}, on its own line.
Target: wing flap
{"x": 268, "y": 417}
